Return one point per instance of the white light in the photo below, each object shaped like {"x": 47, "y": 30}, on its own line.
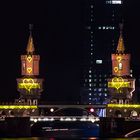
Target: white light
{"x": 89, "y": 94}
{"x": 61, "y": 119}
{"x": 52, "y": 109}
{"x": 39, "y": 119}
{"x": 52, "y": 119}
{"x": 99, "y": 61}
{"x": 74, "y": 119}
{"x": 68, "y": 119}
{"x": 89, "y": 80}
{"x": 116, "y": 2}
{"x": 83, "y": 119}
{"x": 91, "y": 110}
{"x": 35, "y": 120}
{"x": 46, "y": 119}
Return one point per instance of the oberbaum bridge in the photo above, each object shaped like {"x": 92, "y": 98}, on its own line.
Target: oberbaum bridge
{"x": 121, "y": 86}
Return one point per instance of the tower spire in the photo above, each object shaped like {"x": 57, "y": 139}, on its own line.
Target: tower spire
{"x": 120, "y": 47}
{"x": 30, "y": 46}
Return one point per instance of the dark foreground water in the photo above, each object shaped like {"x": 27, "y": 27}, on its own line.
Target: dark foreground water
{"x": 91, "y": 138}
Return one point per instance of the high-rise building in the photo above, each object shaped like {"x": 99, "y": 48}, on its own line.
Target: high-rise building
{"x": 101, "y": 20}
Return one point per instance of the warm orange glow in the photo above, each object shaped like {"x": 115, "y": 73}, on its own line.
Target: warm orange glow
{"x": 119, "y": 58}
{"x": 29, "y": 58}
{"x": 116, "y": 69}
{"x": 29, "y": 70}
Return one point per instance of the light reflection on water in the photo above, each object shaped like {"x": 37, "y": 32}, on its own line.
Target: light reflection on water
{"x": 91, "y": 138}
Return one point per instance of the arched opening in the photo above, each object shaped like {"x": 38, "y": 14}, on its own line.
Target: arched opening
{"x": 118, "y": 114}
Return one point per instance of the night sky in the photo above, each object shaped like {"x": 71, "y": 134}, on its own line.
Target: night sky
{"x": 58, "y": 35}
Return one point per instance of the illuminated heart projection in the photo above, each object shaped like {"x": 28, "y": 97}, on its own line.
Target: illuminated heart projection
{"x": 117, "y": 82}
{"x": 28, "y": 83}
{"x": 116, "y": 69}
{"x": 119, "y": 58}
{"x": 29, "y": 70}
{"x": 29, "y": 58}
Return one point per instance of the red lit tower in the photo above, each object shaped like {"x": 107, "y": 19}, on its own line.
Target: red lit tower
{"x": 121, "y": 85}
{"x": 29, "y": 85}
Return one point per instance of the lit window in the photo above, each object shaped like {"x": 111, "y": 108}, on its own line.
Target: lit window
{"x": 89, "y": 80}
{"x": 120, "y": 66}
{"x": 105, "y": 89}
{"x": 99, "y": 28}
{"x": 100, "y": 89}
{"x": 89, "y": 94}
{"x": 95, "y": 89}
{"x": 91, "y": 53}
{"x": 89, "y": 88}
{"x": 105, "y": 94}
{"x": 99, "y": 61}
{"x": 95, "y": 80}
{"x": 116, "y": 2}
{"x": 89, "y": 98}
{"x": 90, "y": 85}
{"x": 94, "y": 85}
{"x": 91, "y": 6}
{"x": 91, "y": 45}
{"x": 90, "y": 76}
{"x": 100, "y": 80}
{"x": 89, "y": 71}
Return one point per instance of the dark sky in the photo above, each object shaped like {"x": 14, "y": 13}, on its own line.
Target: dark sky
{"x": 58, "y": 36}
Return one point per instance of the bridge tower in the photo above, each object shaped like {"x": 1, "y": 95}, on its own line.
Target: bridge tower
{"x": 29, "y": 85}
{"x": 121, "y": 84}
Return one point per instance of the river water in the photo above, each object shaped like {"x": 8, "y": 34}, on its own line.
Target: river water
{"x": 91, "y": 138}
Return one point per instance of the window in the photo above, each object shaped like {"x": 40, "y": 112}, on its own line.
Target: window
{"x": 120, "y": 66}
{"x": 99, "y": 61}
{"x": 89, "y": 94}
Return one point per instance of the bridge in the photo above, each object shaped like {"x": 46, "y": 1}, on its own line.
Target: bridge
{"x": 73, "y": 106}
{"x": 99, "y": 110}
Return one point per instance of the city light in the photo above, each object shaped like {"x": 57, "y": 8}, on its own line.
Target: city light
{"x": 52, "y": 110}
{"x": 118, "y": 82}
{"x": 28, "y": 84}
{"x": 18, "y": 107}
{"x": 29, "y": 58}
{"x": 91, "y": 110}
{"x": 123, "y": 105}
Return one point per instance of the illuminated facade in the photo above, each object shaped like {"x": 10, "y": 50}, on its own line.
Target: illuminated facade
{"x": 101, "y": 19}
{"x": 29, "y": 86}
{"x": 121, "y": 85}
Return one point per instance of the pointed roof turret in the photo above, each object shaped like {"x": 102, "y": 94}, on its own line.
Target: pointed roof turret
{"x": 30, "y": 46}
{"x": 120, "y": 47}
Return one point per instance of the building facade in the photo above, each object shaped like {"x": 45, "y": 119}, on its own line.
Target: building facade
{"x": 101, "y": 20}
{"x": 121, "y": 84}
{"x": 29, "y": 86}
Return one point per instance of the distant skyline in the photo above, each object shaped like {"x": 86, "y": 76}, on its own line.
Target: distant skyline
{"x": 58, "y": 38}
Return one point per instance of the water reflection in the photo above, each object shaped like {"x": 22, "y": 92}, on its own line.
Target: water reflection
{"x": 91, "y": 138}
